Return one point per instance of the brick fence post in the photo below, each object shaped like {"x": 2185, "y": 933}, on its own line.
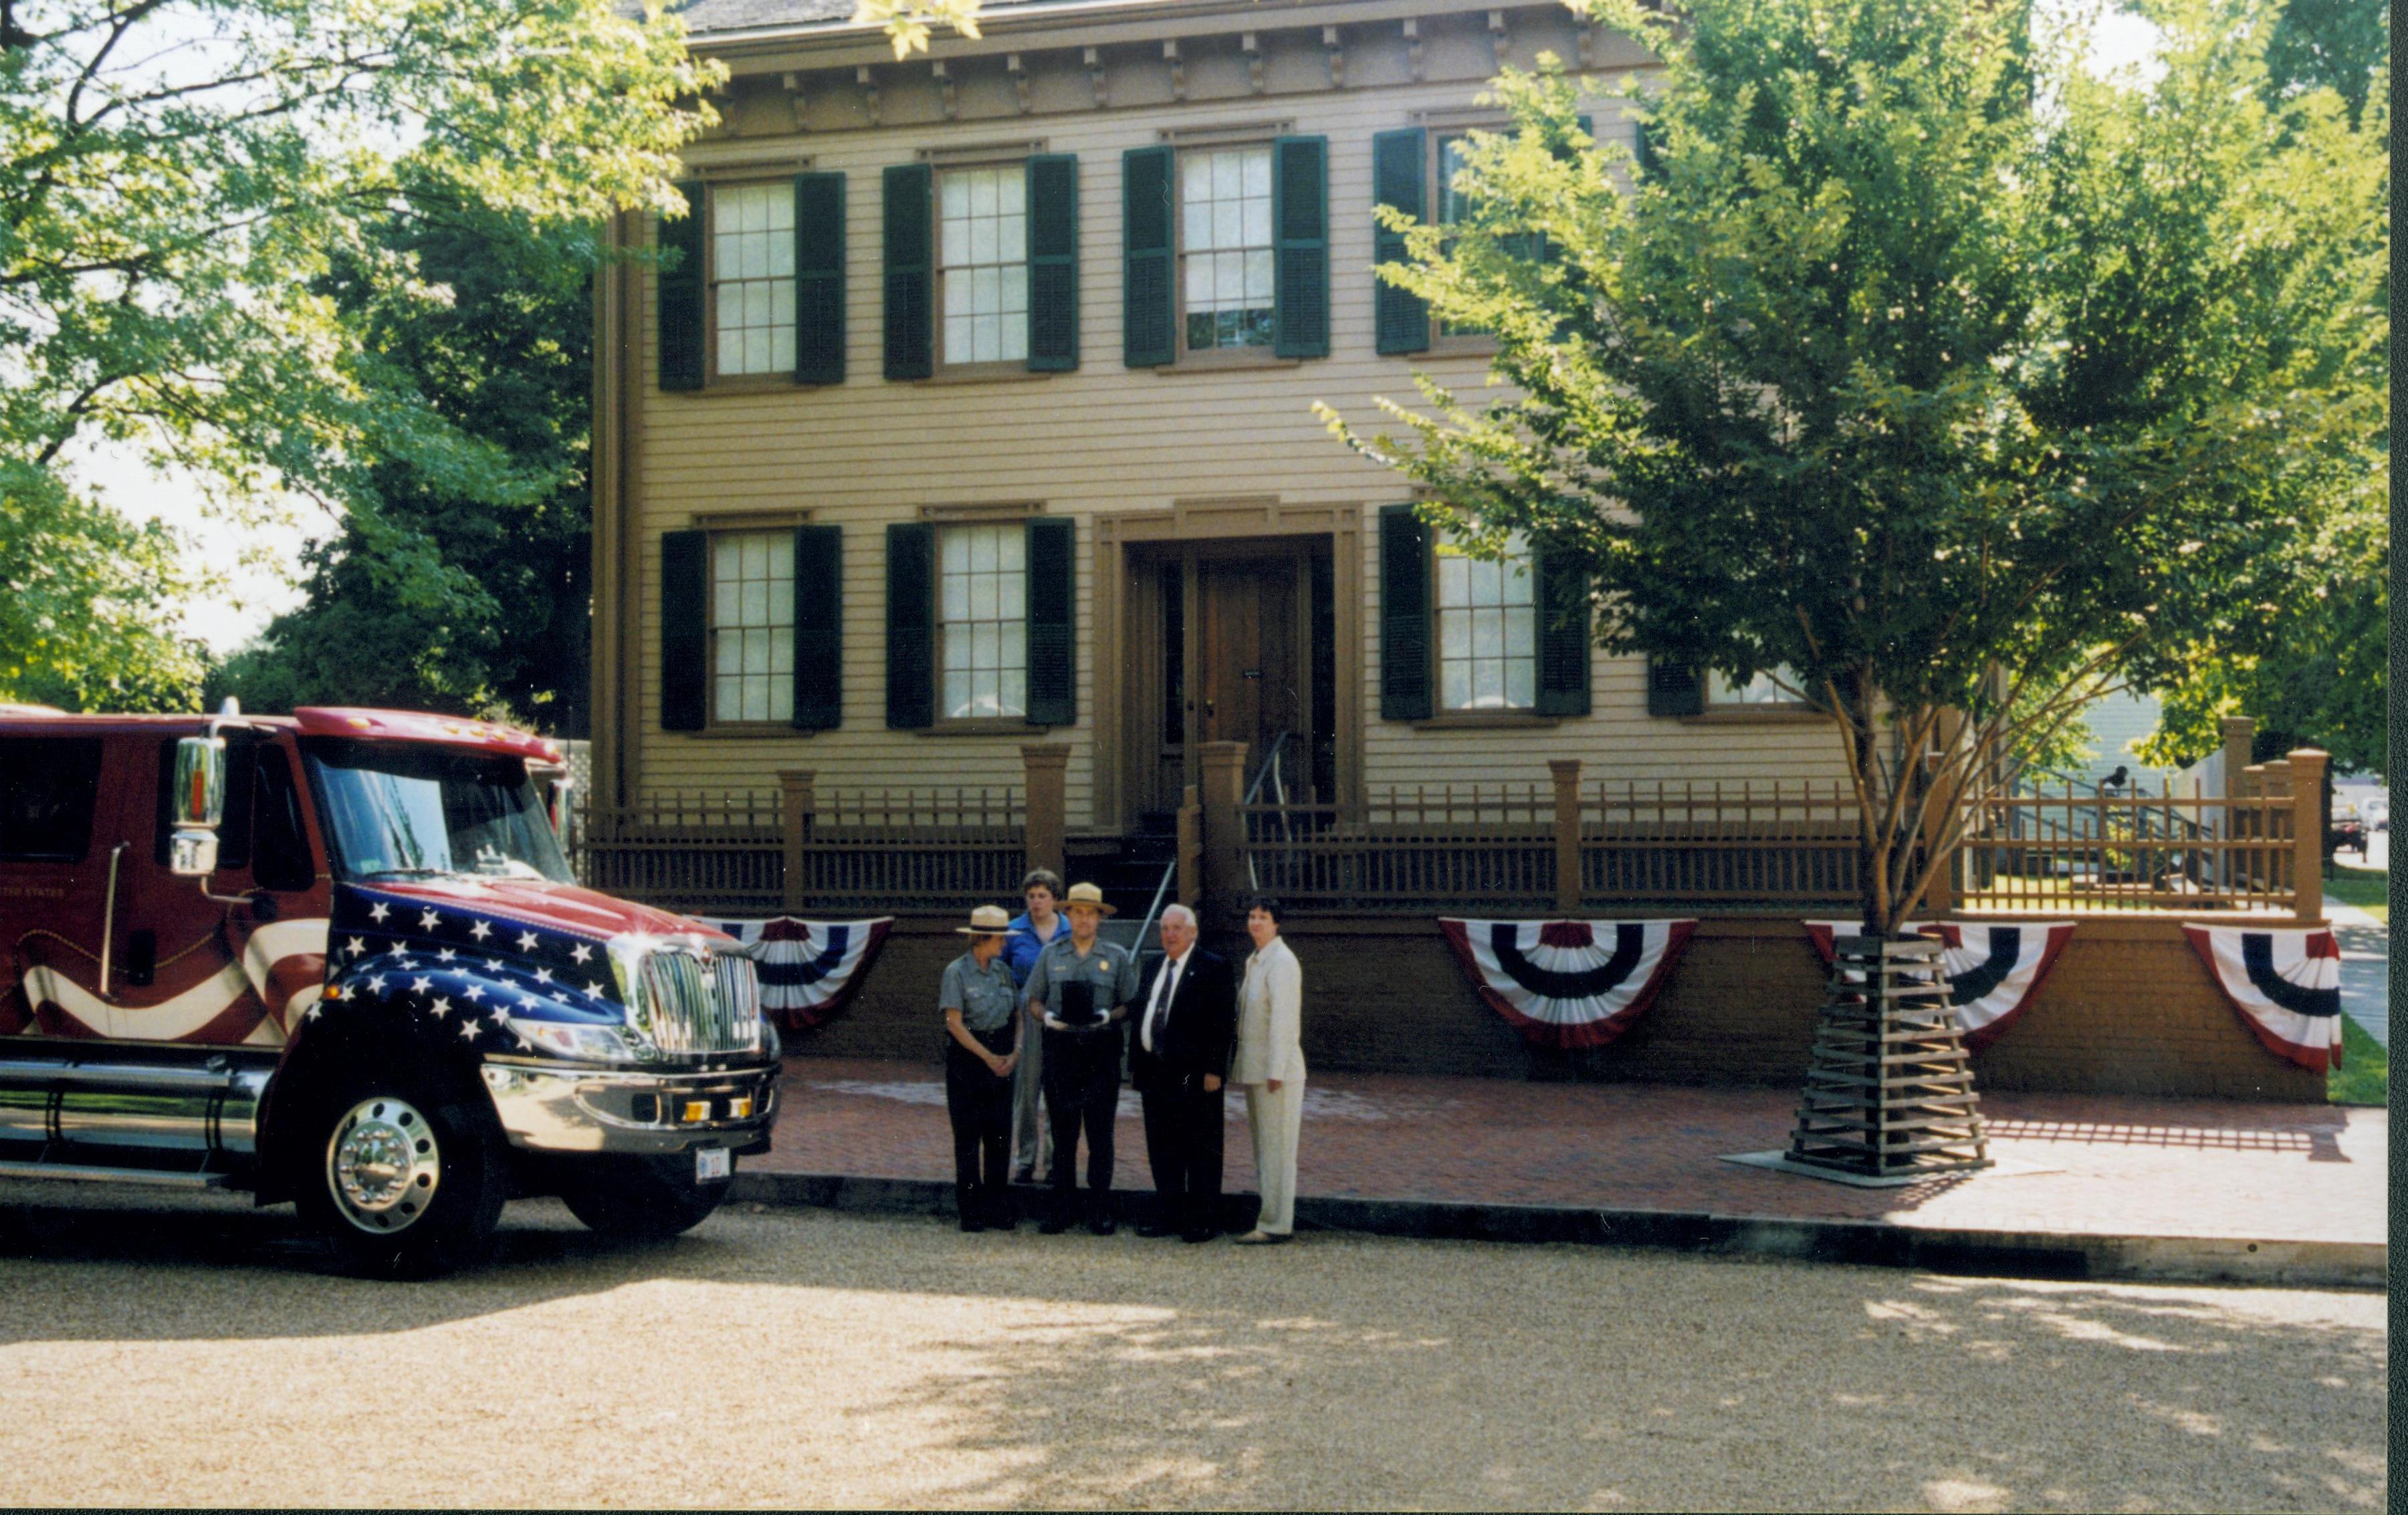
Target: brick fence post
{"x": 796, "y": 805}
{"x": 1045, "y": 810}
{"x": 1224, "y": 838}
{"x": 1566, "y": 774}
{"x": 2308, "y": 830}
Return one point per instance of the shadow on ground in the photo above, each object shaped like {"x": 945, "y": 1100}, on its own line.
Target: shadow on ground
{"x": 893, "y": 1361}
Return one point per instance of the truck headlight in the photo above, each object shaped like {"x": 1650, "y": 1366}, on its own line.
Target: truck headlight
{"x": 584, "y": 1042}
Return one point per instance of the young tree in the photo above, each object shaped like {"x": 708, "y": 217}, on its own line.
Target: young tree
{"x": 1949, "y": 382}
{"x": 178, "y": 179}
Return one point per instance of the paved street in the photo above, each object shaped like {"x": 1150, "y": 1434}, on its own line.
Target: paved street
{"x": 188, "y": 1352}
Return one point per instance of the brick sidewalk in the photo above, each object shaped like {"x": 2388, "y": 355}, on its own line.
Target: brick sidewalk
{"x": 2124, "y": 1166}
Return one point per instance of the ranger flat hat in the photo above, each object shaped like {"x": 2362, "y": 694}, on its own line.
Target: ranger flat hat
{"x": 1088, "y": 895}
{"x": 986, "y": 920}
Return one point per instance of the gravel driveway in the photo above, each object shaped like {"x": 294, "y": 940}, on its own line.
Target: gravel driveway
{"x": 191, "y": 1352}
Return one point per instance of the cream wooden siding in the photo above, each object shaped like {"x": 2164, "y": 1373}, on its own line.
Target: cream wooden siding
{"x": 1102, "y": 438}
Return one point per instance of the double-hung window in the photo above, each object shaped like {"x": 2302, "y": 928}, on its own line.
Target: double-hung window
{"x": 1225, "y": 250}
{"x": 1487, "y": 629}
{"x": 753, "y": 278}
{"x": 983, "y": 264}
{"x": 1771, "y": 687}
{"x": 1226, "y": 272}
{"x": 983, "y": 621}
{"x": 752, "y": 626}
{"x": 751, "y": 287}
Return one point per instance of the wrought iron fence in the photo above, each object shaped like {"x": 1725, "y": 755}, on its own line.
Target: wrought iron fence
{"x": 1761, "y": 842}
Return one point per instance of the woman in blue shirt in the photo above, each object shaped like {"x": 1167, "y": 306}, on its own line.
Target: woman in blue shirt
{"x": 1032, "y": 1142}
{"x": 980, "y": 1003}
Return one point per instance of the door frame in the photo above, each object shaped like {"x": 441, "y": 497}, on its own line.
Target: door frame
{"x": 1127, "y": 678}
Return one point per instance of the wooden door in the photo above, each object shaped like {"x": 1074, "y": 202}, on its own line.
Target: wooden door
{"x": 1248, "y": 672}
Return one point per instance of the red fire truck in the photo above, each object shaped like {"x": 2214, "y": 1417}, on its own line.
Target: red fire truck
{"x": 337, "y": 958}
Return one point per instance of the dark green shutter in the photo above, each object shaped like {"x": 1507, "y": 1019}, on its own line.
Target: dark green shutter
{"x": 819, "y": 628}
{"x": 910, "y": 273}
{"x": 1054, "y": 262}
{"x": 1148, "y": 328}
{"x": 1562, "y": 596}
{"x": 1675, "y": 688}
{"x": 910, "y": 625}
{"x": 1642, "y": 150}
{"x": 685, "y": 629}
{"x": 1300, "y": 235}
{"x": 1053, "y": 697}
{"x": 819, "y": 278}
{"x": 679, "y": 286}
{"x": 1404, "y": 615}
{"x": 1399, "y": 171}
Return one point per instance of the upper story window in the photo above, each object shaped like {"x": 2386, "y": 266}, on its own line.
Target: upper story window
{"x": 1487, "y": 629}
{"x": 1226, "y": 247}
{"x": 752, "y": 626}
{"x": 983, "y": 621}
{"x": 982, "y": 262}
{"x": 1764, "y": 688}
{"x": 752, "y": 278}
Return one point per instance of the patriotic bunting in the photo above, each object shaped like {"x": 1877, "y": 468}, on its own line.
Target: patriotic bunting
{"x": 1568, "y": 983}
{"x": 1994, "y": 972}
{"x": 2286, "y": 985}
{"x": 808, "y": 968}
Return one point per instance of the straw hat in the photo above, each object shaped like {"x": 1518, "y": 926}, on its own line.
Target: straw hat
{"x": 986, "y": 920}
{"x": 1088, "y": 895}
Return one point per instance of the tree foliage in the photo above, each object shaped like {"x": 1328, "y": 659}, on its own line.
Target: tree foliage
{"x": 1952, "y": 382}
{"x": 433, "y": 598}
{"x": 192, "y": 194}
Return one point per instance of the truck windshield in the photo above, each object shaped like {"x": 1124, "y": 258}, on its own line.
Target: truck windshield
{"x": 396, "y": 809}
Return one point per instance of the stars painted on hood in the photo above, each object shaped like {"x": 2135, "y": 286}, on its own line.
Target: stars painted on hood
{"x": 378, "y": 911}
{"x": 428, "y": 919}
{"x": 482, "y": 929}
{"x": 527, "y": 940}
{"x": 440, "y": 1008}
{"x": 581, "y": 953}
{"x": 355, "y": 947}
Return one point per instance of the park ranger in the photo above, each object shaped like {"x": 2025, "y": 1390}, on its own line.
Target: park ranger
{"x": 1078, "y": 991}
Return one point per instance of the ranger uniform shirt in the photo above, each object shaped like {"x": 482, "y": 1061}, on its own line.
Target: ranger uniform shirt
{"x": 984, "y": 995}
{"x": 1111, "y": 969}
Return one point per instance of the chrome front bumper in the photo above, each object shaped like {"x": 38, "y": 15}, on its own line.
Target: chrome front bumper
{"x": 553, "y": 1108}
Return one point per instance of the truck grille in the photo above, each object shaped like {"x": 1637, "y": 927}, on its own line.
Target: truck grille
{"x": 699, "y": 1005}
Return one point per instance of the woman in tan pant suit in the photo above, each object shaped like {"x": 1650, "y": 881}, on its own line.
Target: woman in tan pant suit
{"x": 1270, "y": 1069}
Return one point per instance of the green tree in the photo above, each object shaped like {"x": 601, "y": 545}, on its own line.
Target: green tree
{"x": 2340, "y": 45}
{"x": 181, "y": 182}
{"x": 1951, "y": 382}
{"x": 426, "y": 597}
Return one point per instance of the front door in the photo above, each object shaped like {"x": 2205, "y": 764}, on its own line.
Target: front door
{"x": 1249, "y": 679}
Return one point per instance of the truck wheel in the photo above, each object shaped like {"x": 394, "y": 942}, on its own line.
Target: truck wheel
{"x": 647, "y": 1199}
{"x": 403, "y": 1174}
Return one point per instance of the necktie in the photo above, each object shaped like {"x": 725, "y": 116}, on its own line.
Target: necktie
{"x": 1162, "y": 992}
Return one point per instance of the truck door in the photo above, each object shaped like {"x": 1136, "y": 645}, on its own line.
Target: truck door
{"x": 59, "y": 822}
{"x": 191, "y": 981}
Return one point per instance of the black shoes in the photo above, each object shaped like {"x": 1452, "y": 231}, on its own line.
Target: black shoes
{"x": 1199, "y": 1234}
{"x": 971, "y": 1222}
{"x": 1153, "y": 1228}
{"x": 1103, "y": 1225}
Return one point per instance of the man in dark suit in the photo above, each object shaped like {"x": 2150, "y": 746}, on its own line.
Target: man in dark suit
{"x": 1186, "y": 1028}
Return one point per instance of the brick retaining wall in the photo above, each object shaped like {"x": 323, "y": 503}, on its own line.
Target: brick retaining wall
{"x": 2129, "y": 1008}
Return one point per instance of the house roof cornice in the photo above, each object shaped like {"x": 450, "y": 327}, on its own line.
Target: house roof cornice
{"x": 1064, "y": 23}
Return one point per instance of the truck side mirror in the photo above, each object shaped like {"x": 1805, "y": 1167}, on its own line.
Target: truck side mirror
{"x": 200, "y": 805}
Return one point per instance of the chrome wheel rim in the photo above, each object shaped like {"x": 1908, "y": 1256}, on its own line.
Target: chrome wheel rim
{"x": 383, "y": 1165}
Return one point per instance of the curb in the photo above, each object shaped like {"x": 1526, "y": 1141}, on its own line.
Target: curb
{"x": 2016, "y": 1255}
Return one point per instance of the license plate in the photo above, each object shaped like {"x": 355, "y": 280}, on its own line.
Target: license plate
{"x": 713, "y": 1163}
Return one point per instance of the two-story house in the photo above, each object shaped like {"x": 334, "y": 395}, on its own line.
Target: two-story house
{"x": 977, "y": 406}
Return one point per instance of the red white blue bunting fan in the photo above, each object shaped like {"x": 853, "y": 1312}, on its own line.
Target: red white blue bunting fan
{"x": 1568, "y": 983}
{"x": 808, "y": 968}
{"x": 1994, "y": 972}
{"x": 2286, "y": 985}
